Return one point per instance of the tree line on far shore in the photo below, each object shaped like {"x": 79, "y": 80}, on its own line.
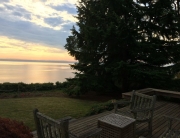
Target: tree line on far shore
{"x": 8, "y": 87}
{"x": 69, "y": 87}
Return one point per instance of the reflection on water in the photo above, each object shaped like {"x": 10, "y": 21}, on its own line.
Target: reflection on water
{"x": 33, "y": 72}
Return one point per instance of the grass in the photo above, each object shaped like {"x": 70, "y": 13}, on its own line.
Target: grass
{"x": 21, "y": 109}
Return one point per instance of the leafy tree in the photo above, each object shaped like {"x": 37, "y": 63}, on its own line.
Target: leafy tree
{"x": 122, "y": 45}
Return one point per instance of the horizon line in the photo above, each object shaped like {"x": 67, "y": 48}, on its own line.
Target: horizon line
{"x": 31, "y": 60}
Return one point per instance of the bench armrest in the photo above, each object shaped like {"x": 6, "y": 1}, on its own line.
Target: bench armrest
{"x": 67, "y": 118}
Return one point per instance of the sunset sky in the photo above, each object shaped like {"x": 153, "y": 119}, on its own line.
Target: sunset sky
{"x": 36, "y": 29}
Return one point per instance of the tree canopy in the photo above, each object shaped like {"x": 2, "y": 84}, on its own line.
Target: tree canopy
{"x": 122, "y": 45}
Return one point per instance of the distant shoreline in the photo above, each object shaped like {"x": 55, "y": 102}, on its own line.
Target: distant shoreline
{"x": 52, "y": 61}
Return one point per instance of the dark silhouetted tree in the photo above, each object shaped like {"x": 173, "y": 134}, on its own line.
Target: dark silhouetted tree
{"x": 122, "y": 45}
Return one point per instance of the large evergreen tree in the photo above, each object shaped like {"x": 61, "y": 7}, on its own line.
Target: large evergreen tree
{"x": 125, "y": 44}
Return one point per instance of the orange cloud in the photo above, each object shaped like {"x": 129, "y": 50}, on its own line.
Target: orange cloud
{"x": 17, "y": 49}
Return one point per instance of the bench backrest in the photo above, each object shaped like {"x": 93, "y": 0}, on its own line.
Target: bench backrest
{"x": 50, "y": 128}
{"x": 142, "y": 101}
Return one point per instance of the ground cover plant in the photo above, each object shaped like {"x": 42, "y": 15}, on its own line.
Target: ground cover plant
{"x": 21, "y": 109}
{"x": 13, "y": 129}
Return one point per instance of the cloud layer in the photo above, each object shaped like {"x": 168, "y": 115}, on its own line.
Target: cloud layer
{"x": 17, "y": 49}
{"x": 37, "y": 23}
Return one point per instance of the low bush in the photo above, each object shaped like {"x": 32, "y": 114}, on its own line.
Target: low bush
{"x": 99, "y": 108}
{"x": 13, "y": 129}
{"x": 33, "y": 87}
{"x": 106, "y": 106}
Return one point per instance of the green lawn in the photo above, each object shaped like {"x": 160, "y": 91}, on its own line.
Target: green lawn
{"x": 56, "y": 107}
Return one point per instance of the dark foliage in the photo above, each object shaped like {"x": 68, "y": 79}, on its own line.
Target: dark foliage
{"x": 99, "y": 108}
{"x": 33, "y": 87}
{"x": 13, "y": 129}
{"x": 106, "y": 106}
{"x": 122, "y": 45}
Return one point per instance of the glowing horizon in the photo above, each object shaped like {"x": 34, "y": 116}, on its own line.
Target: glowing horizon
{"x": 16, "y": 49}
{"x": 36, "y": 29}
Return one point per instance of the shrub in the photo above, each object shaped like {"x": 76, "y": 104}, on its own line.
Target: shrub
{"x": 58, "y": 85}
{"x": 106, "y": 106}
{"x": 72, "y": 87}
{"x": 99, "y": 108}
{"x": 8, "y": 87}
{"x": 13, "y": 129}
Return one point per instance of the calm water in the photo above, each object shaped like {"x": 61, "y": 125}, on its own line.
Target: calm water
{"x": 34, "y": 72}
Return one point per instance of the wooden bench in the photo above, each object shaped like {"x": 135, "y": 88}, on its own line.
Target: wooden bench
{"x": 172, "y": 131}
{"x": 141, "y": 108}
{"x": 50, "y": 128}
